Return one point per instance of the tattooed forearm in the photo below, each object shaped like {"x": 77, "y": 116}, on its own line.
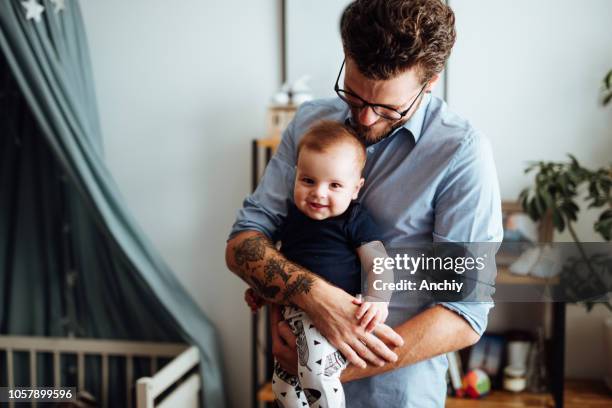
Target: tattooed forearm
{"x": 277, "y": 267}
{"x": 264, "y": 290}
{"x": 255, "y": 259}
{"x": 252, "y": 249}
{"x": 302, "y": 284}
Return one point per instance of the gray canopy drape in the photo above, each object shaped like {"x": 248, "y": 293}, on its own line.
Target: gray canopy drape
{"x": 72, "y": 260}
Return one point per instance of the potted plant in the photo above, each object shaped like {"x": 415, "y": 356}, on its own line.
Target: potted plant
{"x": 556, "y": 188}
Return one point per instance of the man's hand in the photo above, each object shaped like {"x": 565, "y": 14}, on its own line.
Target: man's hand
{"x": 284, "y": 344}
{"x": 333, "y": 313}
{"x": 284, "y": 347}
{"x": 432, "y": 332}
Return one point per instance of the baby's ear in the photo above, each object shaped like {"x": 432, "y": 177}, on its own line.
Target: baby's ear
{"x": 358, "y": 187}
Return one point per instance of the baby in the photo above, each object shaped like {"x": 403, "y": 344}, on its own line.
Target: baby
{"x": 332, "y": 235}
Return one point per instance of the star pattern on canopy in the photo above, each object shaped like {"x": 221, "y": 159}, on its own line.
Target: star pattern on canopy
{"x": 59, "y": 5}
{"x": 33, "y": 9}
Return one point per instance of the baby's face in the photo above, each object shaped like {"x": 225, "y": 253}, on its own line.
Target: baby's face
{"x": 326, "y": 182}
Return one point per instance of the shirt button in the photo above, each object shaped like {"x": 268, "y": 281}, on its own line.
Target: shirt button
{"x": 370, "y": 150}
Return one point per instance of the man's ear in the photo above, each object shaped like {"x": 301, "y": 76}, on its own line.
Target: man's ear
{"x": 358, "y": 187}
{"x": 432, "y": 83}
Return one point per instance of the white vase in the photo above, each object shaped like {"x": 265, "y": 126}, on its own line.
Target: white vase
{"x": 608, "y": 345}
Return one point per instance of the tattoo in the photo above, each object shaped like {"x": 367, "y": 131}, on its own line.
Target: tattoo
{"x": 251, "y": 250}
{"x": 302, "y": 284}
{"x": 277, "y": 267}
{"x": 264, "y": 290}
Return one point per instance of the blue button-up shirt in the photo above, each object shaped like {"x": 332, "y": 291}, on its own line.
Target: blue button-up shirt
{"x": 432, "y": 180}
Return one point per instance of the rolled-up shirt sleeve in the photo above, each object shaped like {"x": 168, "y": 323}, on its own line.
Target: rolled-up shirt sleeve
{"x": 266, "y": 208}
{"x": 468, "y": 210}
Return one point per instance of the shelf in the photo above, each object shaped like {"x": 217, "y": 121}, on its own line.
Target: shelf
{"x": 269, "y": 142}
{"x": 503, "y": 399}
{"x": 578, "y": 394}
{"x": 265, "y": 393}
{"x": 505, "y": 277}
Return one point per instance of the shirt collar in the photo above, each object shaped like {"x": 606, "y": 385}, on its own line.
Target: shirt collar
{"x": 414, "y": 125}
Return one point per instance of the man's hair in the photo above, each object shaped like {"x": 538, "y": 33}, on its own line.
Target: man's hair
{"x": 326, "y": 134}
{"x": 388, "y": 37}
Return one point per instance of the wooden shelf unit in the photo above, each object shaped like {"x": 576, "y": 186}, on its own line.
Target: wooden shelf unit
{"x": 278, "y": 117}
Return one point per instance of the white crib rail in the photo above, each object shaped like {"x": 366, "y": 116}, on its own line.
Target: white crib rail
{"x": 91, "y": 347}
{"x": 185, "y": 395}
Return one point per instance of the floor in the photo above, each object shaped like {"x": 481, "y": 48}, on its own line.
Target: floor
{"x": 578, "y": 394}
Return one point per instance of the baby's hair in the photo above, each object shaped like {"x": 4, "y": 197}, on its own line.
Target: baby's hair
{"x": 326, "y": 134}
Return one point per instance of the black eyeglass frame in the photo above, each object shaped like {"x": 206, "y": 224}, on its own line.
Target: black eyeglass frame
{"x": 366, "y": 104}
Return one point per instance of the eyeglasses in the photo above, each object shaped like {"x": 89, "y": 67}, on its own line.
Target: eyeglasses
{"x": 384, "y": 111}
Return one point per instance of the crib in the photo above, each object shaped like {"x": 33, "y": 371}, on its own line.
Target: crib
{"x": 176, "y": 384}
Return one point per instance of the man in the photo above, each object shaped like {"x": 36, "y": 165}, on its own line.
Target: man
{"x": 430, "y": 177}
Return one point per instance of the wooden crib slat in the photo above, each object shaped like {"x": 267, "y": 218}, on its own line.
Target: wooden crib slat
{"x": 33, "y": 368}
{"x": 9, "y": 369}
{"x": 153, "y": 365}
{"x": 81, "y": 369}
{"x": 33, "y": 373}
{"x": 105, "y": 380}
{"x": 129, "y": 375}
{"x": 56, "y": 369}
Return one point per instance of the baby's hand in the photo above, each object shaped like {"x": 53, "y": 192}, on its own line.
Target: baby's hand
{"x": 253, "y": 299}
{"x": 370, "y": 314}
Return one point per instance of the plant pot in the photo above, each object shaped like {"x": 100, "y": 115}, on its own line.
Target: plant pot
{"x": 608, "y": 346}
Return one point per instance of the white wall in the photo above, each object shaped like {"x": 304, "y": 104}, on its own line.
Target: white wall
{"x": 182, "y": 89}
{"x": 314, "y": 52}
{"x": 527, "y": 73}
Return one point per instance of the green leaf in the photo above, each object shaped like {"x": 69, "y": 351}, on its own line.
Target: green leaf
{"x": 558, "y": 220}
{"x": 523, "y": 197}
{"x": 548, "y": 200}
{"x": 573, "y": 159}
{"x": 532, "y": 210}
{"x": 569, "y": 211}
{"x": 604, "y": 225}
{"x": 530, "y": 167}
{"x": 608, "y": 80}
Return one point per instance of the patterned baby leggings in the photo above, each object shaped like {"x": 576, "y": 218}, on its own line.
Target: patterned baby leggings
{"x": 319, "y": 368}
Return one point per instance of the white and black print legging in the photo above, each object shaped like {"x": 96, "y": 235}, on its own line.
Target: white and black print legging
{"x": 319, "y": 367}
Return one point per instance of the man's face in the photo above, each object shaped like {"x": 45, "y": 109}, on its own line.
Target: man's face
{"x": 398, "y": 92}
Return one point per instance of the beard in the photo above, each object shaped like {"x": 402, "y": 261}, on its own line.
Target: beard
{"x": 370, "y": 135}
{"x": 381, "y": 128}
